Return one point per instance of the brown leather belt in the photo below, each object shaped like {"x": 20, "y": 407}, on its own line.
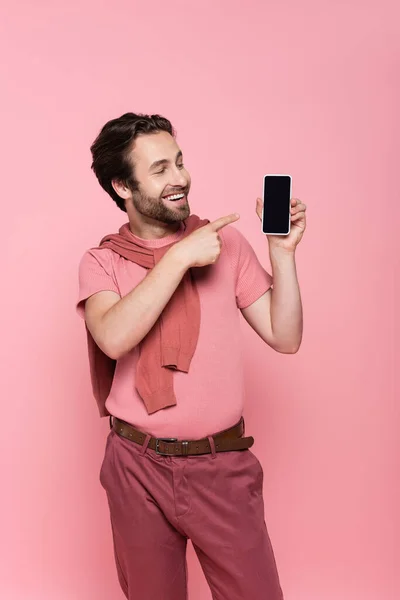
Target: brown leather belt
{"x": 224, "y": 441}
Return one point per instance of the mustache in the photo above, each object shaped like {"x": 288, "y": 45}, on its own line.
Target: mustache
{"x": 184, "y": 190}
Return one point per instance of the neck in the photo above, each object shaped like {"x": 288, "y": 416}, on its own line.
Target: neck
{"x": 154, "y": 230}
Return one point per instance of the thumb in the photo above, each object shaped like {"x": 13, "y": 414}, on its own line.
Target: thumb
{"x": 224, "y": 221}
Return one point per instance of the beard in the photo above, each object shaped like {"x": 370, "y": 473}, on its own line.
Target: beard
{"x": 155, "y": 208}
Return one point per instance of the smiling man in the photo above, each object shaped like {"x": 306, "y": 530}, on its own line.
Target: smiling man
{"x": 161, "y": 301}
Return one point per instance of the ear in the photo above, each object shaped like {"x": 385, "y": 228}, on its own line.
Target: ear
{"x": 121, "y": 189}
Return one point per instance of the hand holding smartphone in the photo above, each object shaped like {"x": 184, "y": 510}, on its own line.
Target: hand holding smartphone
{"x": 276, "y": 209}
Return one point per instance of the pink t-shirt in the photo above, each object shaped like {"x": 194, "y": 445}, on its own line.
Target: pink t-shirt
{"x": 210, "y": 397}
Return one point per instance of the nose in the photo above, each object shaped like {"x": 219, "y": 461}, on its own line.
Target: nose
{"x": 178, "y": 179}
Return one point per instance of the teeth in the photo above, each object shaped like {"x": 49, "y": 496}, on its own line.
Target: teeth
{"x": 176, "y": 197}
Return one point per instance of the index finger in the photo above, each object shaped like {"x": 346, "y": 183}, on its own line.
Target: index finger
{"x": 224, "y": 221}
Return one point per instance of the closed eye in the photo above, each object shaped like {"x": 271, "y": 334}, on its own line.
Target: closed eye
{"x": 161, "y": 171}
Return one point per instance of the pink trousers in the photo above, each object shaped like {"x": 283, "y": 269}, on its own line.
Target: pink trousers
{"x": 157, "y": 503}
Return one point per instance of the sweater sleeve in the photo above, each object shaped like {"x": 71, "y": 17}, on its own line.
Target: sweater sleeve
{"x": 251, "y": 279}
{"x": 95, "y": 275}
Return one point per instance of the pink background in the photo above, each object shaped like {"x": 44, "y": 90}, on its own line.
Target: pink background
{"x": 308, "y": 88}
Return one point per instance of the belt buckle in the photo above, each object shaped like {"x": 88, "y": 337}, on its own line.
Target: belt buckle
{"x": 168, "y": 440}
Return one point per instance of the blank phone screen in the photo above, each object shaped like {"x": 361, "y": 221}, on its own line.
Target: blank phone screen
{"x": 276, "y": 213}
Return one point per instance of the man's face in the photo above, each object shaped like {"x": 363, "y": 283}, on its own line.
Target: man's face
{"x": 163, "y": 182}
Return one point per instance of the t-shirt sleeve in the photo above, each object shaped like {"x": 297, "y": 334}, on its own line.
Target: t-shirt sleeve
{"x": 95, "y": 275}
{"x": 251, "y": 279}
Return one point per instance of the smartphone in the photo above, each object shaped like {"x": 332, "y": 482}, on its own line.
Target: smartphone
{"x": 276, "y": 210}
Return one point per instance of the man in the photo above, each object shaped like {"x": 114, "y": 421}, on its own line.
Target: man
{"x": 160, "y": 301}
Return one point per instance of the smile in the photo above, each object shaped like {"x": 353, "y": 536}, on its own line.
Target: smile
{"x": 174, "y": 197}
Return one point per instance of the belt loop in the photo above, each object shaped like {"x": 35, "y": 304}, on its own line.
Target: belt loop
{"x": 111, "y": 423}
{"x": 145, "y": 445}
{"x": 212, "y": 446}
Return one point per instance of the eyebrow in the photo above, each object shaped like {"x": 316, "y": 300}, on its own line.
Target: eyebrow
{"x": 163, "y": 161}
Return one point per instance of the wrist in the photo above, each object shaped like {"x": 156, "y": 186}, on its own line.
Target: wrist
{"x": 279, "y": 253}
{"x": 179, "y": 257}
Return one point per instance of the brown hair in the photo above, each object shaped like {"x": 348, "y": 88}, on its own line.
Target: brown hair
{"x": 110, "y": 150}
